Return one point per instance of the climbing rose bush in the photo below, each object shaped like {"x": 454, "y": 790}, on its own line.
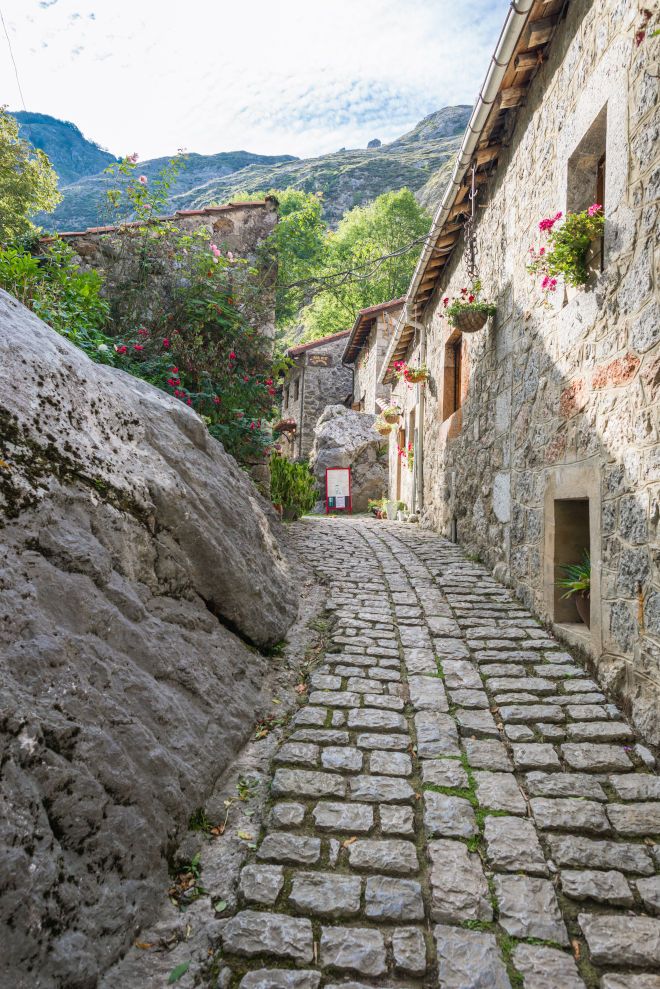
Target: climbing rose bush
{"x": 204, "y": 351}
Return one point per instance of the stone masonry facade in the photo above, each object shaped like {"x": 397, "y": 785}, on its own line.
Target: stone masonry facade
{"x": 316, "y": 379}
{"x": 366, "y": 351}
{"x": 237, "y": 227}
{"x": 555, "y": 438}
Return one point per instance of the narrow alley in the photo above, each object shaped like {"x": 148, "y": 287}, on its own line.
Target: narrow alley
{"x": 457, "y": 805}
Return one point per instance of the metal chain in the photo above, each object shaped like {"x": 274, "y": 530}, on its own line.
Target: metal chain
{"x": 470, "y": 253}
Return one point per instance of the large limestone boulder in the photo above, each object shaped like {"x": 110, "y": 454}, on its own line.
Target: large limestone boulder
{"x": 139, "y": 569}
{"x": 344, "y": 438}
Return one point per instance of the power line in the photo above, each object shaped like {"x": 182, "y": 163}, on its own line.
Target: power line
{"x": 13, "y": 60}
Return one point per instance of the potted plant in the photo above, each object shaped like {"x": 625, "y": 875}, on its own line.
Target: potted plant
{"x": 468, "y": 313}
{"x": 391, "y": 414}
{"x": 566, "y": 251}
{"x": 577, "y": 584}
{"x": 411, "y": 375}
{"x": 382, "y": 427}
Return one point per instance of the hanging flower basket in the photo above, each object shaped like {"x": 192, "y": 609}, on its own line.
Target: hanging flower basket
{"x": 469, "y": 320}
{"x": 411, "y": 375}
{"x": 384, "y": 428}
{"x": 417, "y": 375}
{"x": 285, "y": 426}
{"x": 467, "y": 312}
{"x": 391, "y": 415}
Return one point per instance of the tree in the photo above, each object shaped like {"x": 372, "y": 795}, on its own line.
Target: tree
{"x": 28, "y": 183}
{"x": 298, "y": 244}
{"x": 370, "y": 259}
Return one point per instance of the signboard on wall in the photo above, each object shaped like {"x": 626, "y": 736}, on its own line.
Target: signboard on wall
{"x": 319, "y": 360}
{"x": 338, "y": 489}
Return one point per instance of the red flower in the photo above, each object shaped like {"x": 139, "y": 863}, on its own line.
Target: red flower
{"x": 245, "y": 377}
{"x": 138, "y": 346}
{"x": 122, "y": 349}
{"x": 463, "y": 291}
{"x": 216, "y": 400}
{"x": 166, "y": 342}
{"x": 232, "y": 356}
{"x": 189, "y": 401}
{"x": 253, "y": 425}
{"x": 142, "y": 332}
{"x": 269, "y": 381}
{"x": 174, "y": 370}
{"x": 271, "y": 391}
{"x": 470, "y": 298}
{"x": 445, "y": 301}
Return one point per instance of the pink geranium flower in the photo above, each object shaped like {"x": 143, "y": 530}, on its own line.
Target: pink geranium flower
{"x": 143, "y": 179}
{"x": 594, "y": 209}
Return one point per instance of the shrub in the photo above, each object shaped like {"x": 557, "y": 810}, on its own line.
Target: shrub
{"x": 68, "y": 299}
{"x": 292, "y": 485}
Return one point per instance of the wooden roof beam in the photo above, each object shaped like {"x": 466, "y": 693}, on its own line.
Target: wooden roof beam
{"x": 513, "y": 96}
{"x": 486, "y": 154}
{"x": 540, "y": 32}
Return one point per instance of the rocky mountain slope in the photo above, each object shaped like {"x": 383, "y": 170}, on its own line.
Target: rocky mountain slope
{"x": 140, "y": 576}
{"x": 72, "y": 156}
{"x": 346, "y": 178}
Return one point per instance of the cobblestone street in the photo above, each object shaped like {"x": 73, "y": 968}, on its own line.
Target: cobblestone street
{"x": 457, "y": 805}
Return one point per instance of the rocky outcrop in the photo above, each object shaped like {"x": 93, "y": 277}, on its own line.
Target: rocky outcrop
{"x": 344, "y": 438}
{"x": 140, "y": 575}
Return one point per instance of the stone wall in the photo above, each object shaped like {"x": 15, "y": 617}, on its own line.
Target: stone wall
{"x": 317, "y": 379}
{"x": 237, "y": 227}
{"x": 561, "y": 402}
{"x": 368, "y": 391}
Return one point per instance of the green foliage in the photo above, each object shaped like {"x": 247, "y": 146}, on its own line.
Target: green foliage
{"x": 369, "y": 260}
{"x": 65, "y": 297}
{"x": 137, "y": 195}
{"x": 577, "y": 579}
{"x": 298, "y": 245}
{"x": 178, "y": 972}
{"x": 28, "y": 182}
{"x": 292, "y": 486}
{"x": 568, "y": 247}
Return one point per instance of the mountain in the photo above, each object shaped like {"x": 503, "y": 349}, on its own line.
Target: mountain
{"x": 418, "y": 159}
{"x": 71, "y": 154}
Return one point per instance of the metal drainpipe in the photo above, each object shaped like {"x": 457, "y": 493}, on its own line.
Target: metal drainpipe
{"x": 302, "y": 410}
{"x": 419, "y": 452}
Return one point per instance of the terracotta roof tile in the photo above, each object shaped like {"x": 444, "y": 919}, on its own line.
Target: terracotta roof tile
{"x": 301, "y": 348}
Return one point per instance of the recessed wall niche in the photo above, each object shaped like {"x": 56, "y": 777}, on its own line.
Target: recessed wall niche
{"x": 572, "y": 538}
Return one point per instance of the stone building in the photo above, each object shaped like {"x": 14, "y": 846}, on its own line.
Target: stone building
{"x": 536, "y": 438}
{"x": 115, "y": 251}
{"x": 365, "y": 350}
{"x": 317, "y": 378}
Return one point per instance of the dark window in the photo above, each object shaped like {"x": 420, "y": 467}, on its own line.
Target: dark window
{"x": 572, "y": 539}
{"x": 453, "y": 377}
{"x": 296, "y": 389}
{"x": 286, "y": 397}
{"x": 586, "y": 177}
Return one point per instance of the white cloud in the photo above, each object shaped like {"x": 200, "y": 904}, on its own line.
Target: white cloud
{"x": 295, "y": 76}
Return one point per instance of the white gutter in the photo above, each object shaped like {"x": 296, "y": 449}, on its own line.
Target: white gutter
{"x": 509, "y": 37}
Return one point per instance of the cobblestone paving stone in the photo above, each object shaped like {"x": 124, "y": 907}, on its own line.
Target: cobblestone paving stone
{"x": 458, "y": 805}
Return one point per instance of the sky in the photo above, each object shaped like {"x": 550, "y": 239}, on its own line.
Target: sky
{"x": 301, "y": 77}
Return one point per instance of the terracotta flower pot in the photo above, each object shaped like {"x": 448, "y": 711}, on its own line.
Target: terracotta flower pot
{"x": 583, "y": 605}
{"x": 470, "y": 320}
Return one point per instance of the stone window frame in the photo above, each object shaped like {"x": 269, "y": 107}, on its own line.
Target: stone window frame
{"x": 586, "y": 174}
{"x": 452, "y": 387}
{"x": 580, "y": 481}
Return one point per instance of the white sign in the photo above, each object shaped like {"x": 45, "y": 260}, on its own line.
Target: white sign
{"x": 339, "y": 482}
